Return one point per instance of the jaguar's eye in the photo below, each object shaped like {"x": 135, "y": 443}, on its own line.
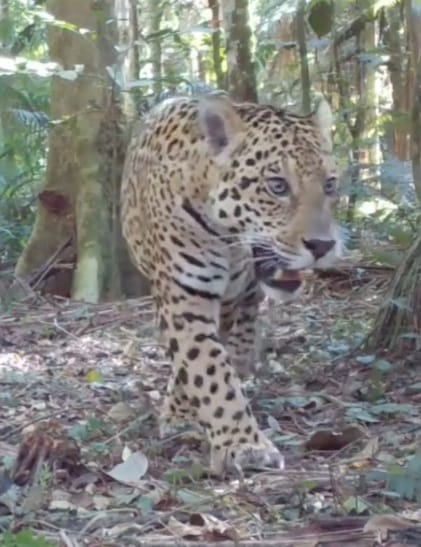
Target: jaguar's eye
{"x": 329, "y": 186}
{"x": 278, "y": 186}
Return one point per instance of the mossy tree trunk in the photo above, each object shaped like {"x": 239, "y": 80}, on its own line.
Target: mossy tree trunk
{"x": 397, "y": 327}
{"x": 241, "y": 76}
{"x": 73, "y": 203}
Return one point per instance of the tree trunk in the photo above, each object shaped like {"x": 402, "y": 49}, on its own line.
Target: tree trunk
{"x": 302, "y": 46}
{"x": 125, "y": 277}
{"x": 241, "y": 77}
{"x": 216, "y": 43}
{"x": 414, "y": 20}
{"x": 398, "y": 70}
{"x": 355, "y": 128}
{"x": 72, "y": 204}
{"x": 397, "y": 327}
{"x": 155, "y": 15}
{"x": 370, "y": 150}
{"x": 134, "y": 55}
{"x": 127, "y": 33}
{"x": 4, "y": 9}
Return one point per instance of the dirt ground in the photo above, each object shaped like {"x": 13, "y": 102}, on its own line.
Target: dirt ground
{"x": 83, "y": 464}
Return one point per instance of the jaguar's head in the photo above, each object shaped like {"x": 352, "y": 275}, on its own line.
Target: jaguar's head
{"x": 274, "y": 186}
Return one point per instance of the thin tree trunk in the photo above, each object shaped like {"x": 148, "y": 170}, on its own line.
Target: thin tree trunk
{"x": 370, "y": 149}
{"x": 4, "y": 9}
{"x": 414, "y": 21}
{"x": 302, "y": 46}
{"x": 398, "y": 70}
{"x": 155, "y": 16}
{"x": 216, "y": 43}
{"x": 127, "y": 35}
{"x": 134, "y": 69}
{"x": 355, "y": 128}
{"x": 127, "y": 278}
{"x": 241, "y": 76}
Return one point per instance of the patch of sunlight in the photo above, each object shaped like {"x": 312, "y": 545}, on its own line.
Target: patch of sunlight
{"x": 17, "y": 64}
{"x": 374, "y": 205}
{"x": 10, "y": 360}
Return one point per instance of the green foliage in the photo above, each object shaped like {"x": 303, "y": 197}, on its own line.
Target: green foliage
{"x": 320, "y": 16}
{"x": 91, "y": 430}
{"x": 22, "y": 29}
{"x": 405, "y": 481}
{"x": 23, "y": 125}
{"x": 24, "y": 106}
{"x": 178, "y": 476}
{"x": 24, "y": 538}
{"x": 377, "y": 411}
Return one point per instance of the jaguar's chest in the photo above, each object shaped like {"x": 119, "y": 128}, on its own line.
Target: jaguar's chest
{"x": 241, "y": 273}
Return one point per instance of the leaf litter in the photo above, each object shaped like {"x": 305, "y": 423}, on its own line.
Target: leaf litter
{"x": 82, "y": 462}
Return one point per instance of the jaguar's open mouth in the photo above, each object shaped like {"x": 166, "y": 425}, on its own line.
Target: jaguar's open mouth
{"x": 273, "y": 272}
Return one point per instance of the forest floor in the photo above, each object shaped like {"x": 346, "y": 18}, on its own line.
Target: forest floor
{"x": 82, "y": 462}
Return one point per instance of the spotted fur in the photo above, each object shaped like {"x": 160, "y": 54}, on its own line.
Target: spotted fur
{"x": 217, "y": 198}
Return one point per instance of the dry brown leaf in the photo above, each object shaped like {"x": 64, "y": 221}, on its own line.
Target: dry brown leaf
{"x": 387, "y": 522}
{"x": 180, "y": 529}
{"x": 34, "y": 499}
{"x": 383, "y": 524}
{"x": 366, "y": 453}
{"x": 325, "y": 439}
{"x": 102, "y": 502}
{"x": 121, "y": 412}
{"x": 205, "y": 526}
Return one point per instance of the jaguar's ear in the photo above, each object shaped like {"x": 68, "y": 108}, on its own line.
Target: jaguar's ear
{"x": 221, "y": 126}
{"x": 323, "y": 119}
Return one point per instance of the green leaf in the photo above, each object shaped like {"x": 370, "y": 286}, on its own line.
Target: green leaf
{"x": 79, "y": 433}
{"x": 414, "y": 464}
{"x": 361, "y": 414}
{"x": 404, "y": 481}
{"x": 355, "y": 505}
{"x": 176, "y": 476}
{"x": 393, "y": 408}
{"x": 365, "y": 359}
{"x": 189, "y": 497}
{"x": 298, "y": 401}
{"x": 382, "y": 365}
{"x": 93, "y": 376}
{"x": 321, "y": 15}
{"x": 145, "y": 504}
{"x": 24, "y": 538}
{"x": 386, "y": 257}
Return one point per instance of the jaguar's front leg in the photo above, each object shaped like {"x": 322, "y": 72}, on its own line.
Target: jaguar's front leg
{"x": 211, "y": 386}
{"x": 240, "y": 333}
{"x": 176, "y": 411}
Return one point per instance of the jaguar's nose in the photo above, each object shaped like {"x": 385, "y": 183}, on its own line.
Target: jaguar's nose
{"x": 318, "y": 247}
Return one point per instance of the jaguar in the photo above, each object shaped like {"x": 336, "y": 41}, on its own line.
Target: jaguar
{"x": 223, "y": 203}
